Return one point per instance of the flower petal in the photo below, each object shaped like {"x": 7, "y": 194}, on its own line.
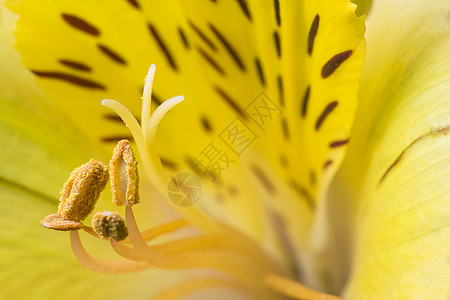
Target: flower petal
{"x": 36, "y": 156}
{"x": 398, "y": 162}
{"x": 16, "y": 81}
{"x": 220, "y": 55}
{"x": 364, "y": 6}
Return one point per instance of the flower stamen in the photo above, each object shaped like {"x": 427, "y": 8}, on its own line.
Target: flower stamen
{"x": 78, "y": 197}
{"x": 151, "y": 233}
{"x": 294, "y": 289}
{"x": 56, "y": 222}
{"x": 237, "y": 262}
{"x": 191, "y": 253}
{"x": 147, "y": 235}
{"x": 152, "y": 164}
{"x": 193, "y": 285}
{"x": 124, "y": 175}
{"x": 110, "y": 224}
{"x": 103, "y": 266}
{"x": 82, "y": 190}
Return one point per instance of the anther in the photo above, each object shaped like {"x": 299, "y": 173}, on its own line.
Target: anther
{"x": 55, "y": 222}
{"x": 124, "y": 175}
{"x": 78, "y": 197}
{"x": 110, "y": 224}
{"x": 82, "y": 190}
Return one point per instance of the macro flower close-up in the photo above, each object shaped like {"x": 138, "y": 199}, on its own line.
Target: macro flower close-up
{"x": 225, "y": 149}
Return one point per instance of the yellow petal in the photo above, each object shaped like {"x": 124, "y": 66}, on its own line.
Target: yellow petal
{"x": 398, "y": 162}
{"x": 38, "y": 262}
{"x": 15, "y": 80}
{"x": 37, "y": 154}
{"x": 220, "y": 55}
{"x": 364, "y": 6}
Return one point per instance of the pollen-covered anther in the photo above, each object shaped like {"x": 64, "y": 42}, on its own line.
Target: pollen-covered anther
{"x": 124, "y": 175}
{"x": 55, "y": 222}
{"x": 82, "y": 190}
{"x": 110, "y": 224}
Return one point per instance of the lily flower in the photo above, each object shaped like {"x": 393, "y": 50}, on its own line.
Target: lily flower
{"x": 289, "y": 161}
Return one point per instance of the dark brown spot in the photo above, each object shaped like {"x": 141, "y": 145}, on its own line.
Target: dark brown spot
{"x": 116, "y": 138}
{"x": 260, "y": 71}
{"x": 75, "y": 65}
{"x": 194, "y": 165}
{"x": 206, "y": 124}
{"x": 276, "y": 39}
{"x": 116, "y": 118}
{"x": 81, "y": 24}
{"x": 211, "y": 61}
{"x": 230, "y": 101}
{"x": 245, "y": 9}
{"x": 312, "y": 33}
{"x": 156, "y": 99}
{"x": 277, "y": 11}
{"x": 312, "y": 178}
{"x": 263, "y": 179}
{"x": 113, "y": 117}
{"x": 285, "y": 127}
{"x": 328, "y": 109}
{"x": 335, "y": 62}
{"x": 168, "y": 163}
{"x": 327, "y": 164}
{"x": 183, "y": 38}
{"x": 233, "y": 190}
{"x": 202, "y": 36}
{"x": 304, "y": 193}
{"x": 339, "y": 143}
{"x": 435, "y": 133}
{"x": 87, "y": 83}
{"x": 230, "y": 49}
{"x": 280, "y": 90}
{"x": 134, "y": 3}
{"x": 111, "y": 54}
{"x": 305, "y": 101}
{"x": 163, "y": 47}
{"x": 284, "y": 161}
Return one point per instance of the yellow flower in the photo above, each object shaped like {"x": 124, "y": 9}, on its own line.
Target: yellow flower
{"x": 330, "y": 172}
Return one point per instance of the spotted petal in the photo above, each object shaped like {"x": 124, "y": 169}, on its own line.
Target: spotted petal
{"x": 398, "y": 161}
{"x": 285, "y": 72}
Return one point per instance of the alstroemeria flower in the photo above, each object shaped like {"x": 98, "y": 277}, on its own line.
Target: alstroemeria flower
{"x": 331, "y": 164}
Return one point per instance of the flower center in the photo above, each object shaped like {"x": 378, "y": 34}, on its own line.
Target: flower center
{"x": 235, "y": 261}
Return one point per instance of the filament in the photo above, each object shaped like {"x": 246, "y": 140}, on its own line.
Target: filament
{"x": 194, "y": 285}
{"x": 294, "y": 289}
{"x": 131, "y": 253}
{"x": 125, "y": 251}
{"x": 239, "y": 267}
{"x": 161, "y": 229}
{"x": 103, "y": 266}
{"x": 90, "y": 230}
